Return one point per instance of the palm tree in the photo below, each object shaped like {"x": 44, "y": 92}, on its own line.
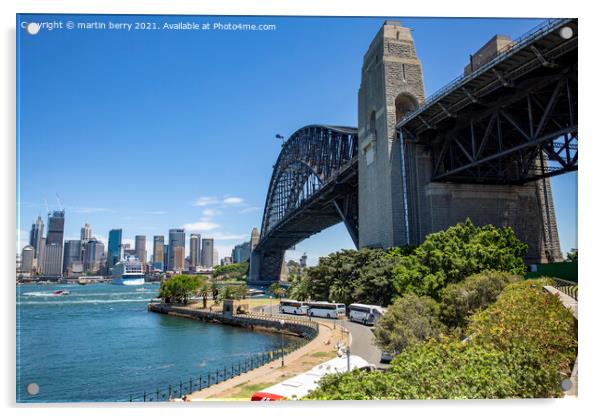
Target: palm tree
{"x": 204, "y": 292}
{"x": 277, "y": 290}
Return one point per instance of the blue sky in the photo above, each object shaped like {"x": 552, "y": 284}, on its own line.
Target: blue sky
{"x": 150, "y": 130}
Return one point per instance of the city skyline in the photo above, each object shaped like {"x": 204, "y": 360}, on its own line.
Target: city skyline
{"x": 223, "y": 168}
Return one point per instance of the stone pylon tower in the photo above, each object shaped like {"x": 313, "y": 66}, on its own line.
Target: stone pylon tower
{"x": 391, "y": 86}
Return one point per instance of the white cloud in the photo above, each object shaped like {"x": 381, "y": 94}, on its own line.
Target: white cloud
{"x": 209, "y": 212}
{"x": 249, "y": 209}
{"x": 202, "y": 201}
{"x": 226, "y": 236}
{"x": 233, "y": 200}
{"x": 200, "y": 226}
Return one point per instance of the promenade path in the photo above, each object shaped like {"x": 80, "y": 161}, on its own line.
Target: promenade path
{"x": 241, "y": 387}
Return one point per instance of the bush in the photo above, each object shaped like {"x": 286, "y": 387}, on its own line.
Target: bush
{"x": 454, "y": 254}
{"x": 179, "y": 288}
{"x": 523, "y": 346}
{"x": 410, "y": 320}
{"x": 458, "y": 300}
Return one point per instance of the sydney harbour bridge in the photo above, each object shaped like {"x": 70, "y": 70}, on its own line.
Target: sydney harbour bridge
{"x": 482, "y": 147}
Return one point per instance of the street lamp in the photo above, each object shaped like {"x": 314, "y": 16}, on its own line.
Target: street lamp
{"x": 282, "y": 340}
{"x": 348, "y": 350}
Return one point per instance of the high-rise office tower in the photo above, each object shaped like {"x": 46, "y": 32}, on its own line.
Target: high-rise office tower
{"x": 53, "y": 250}
{"x": 165, "y": 256}
{"x": 215, "y": 258}
{"x": 177, "y": 244}
{"x": 114, "y": 251}
{"x": 36, "y": 235}
{"x": 158, "y": 252}
{"x": 241, "y": 252}
{"x": 140, "y": 248}
{"x": 72, "y": 256}
{"x": 207, "y": 253}
{"x": 195, "y": 250}
{"x": 27, "y": 259}
{"x": 86, "y": 233}
{"x": 93, "y": 255}
{"x": 254, "y": 238}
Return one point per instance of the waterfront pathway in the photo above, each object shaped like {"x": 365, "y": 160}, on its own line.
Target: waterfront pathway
{"x": 241, "y": 387}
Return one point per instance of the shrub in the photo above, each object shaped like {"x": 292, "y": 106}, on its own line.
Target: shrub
{"x": 523, "y": 346}
{"x": 410, "y": 320}
{"x": 458, "y": 300}
{"x": 179, "y": 288}
{"x": 454, "y": 254}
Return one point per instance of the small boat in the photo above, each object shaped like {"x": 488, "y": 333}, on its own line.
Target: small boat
{"x": 255, "y": 292}
{"x": 60, "y": 292}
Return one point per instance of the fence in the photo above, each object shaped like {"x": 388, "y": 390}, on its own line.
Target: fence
{"x": 567, "y": 287}
{"x": 210, "y": 378}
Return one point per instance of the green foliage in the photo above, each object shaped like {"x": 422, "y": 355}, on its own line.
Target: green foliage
{"x": 236, "y": 271}
{"x": 410, "y": 320}
{"x": 179, "y": 288}
{"x": 348, "y": 276}
{"x": 459, "y": 300}
{"x": 523, "y": 346}
{"x": 277, "y": 290}
{"x": 573, "y": 255}
{"x": 452, "y": 255}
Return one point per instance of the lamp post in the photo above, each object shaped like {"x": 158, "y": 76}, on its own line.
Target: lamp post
{"x": 282, "y": 341}
{"x": 348, "y": 350}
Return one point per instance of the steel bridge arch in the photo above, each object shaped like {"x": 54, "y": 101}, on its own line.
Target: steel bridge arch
{"x": 310, "y": 158}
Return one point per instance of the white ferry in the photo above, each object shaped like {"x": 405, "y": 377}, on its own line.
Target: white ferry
{"x": 128, "y": 272}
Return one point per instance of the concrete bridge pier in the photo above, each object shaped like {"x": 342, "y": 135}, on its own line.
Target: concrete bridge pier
{"x": 267, "y": 266}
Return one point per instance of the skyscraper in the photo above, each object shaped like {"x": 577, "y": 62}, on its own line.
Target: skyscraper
{"x": 140, "y": 248}
{"x": 254, "y": 238}
{"x": 241, "y": 252}
{"x": 72, "y": 256}
{"x": 36, "y": 235}
{"x": 207, "y": 253}
{"x": 53, "y": 250}
{"x": 158, "y": 252}
{"x": 27, "y": 259}
{"x": 177, "y": 244}
{"x": 165, "y": 255}
{"x": 215, "y": 258}
{"x": 86, "y": 233}
{"x": 195, "y": 250}
{"x": 114, "y": 250}
{"x": 93, "y": 255}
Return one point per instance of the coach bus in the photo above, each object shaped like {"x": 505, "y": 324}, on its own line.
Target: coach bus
{"x": 299, "y": 386}
{"x": 293, "y": 307}
{"x": 365, "y": 314}
{"x": 326, "y": 309}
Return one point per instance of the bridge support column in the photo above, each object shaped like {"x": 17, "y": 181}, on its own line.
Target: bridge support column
{"x": 266, "y": 266}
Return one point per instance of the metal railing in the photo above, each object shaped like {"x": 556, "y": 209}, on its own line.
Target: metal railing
{"x": 543, "y": 28}
{"x": 207, "y": 379}
{"x": 567, "y": 287}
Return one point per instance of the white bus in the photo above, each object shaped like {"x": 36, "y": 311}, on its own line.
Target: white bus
{"x": 293, "y": 307}
{"x": 326, "y": 309}
{"x": 366, "y": 314}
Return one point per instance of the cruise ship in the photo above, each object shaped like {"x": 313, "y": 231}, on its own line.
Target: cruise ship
{"x": 128, "y": 272}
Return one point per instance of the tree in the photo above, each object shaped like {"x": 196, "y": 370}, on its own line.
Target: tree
{"x": 236, "y": 271}
{"x": 179, "y": 288}
{"x": 410, "y": 320}
{"x": 214, "y": 293}
{"x": 203, "y": 290}
{"x": 277, "y": 290}
{"x": 241, "y": 291}
{"x": 572, "y": 255}
{"x": 459, "y": 300}
{"x": 452, "y": 255}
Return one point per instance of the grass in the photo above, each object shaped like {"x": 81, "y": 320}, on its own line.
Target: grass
{"x": 324, "y": 354}
{"x": 246, "y": 390}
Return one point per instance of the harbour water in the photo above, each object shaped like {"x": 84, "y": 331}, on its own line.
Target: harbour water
{"x": 99, "y": 343}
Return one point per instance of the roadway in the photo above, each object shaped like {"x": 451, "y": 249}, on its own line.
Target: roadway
{"x": 361, "y": 336}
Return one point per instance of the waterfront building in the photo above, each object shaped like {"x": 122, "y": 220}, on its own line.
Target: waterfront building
{"x": 27, "y": 259}
{"x": 72, "y": 256}
{"x": 254, "y": 238}
{"x": 195, "y": 250}
{"x": 86, "y": 233}
{"x": 177, "y": 244}
{"x": 140, "y": 248}
{"x": 93, "y": 255}
{"x": 207, "y": 251}
{"x": 241, "y": 252}
{"x": 114, "y": 253}
{"x": 36, "y": 237}
{"x": 158, "y": 252}
{"x": 53, "y": 249}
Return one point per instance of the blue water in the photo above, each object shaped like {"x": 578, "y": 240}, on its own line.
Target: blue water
{"x": 99, "y": 343}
